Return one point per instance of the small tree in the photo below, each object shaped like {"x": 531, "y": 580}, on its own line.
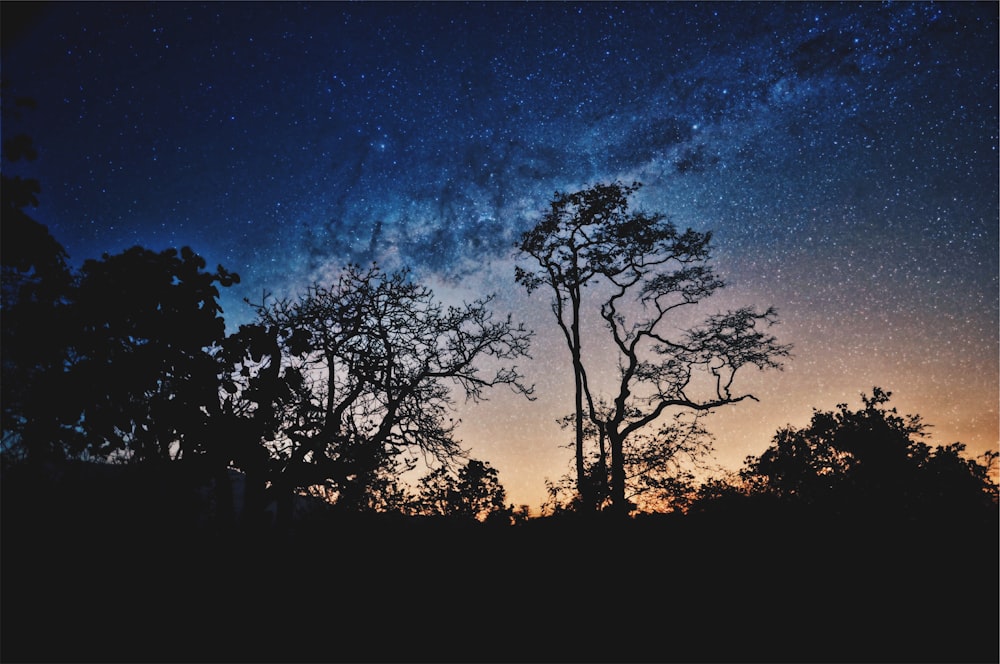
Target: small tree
{"x": 659, "y": 467}
{"x": 475, "y": 492}
{"x": 481, "y": 495}
{"x": 650, "y": 273}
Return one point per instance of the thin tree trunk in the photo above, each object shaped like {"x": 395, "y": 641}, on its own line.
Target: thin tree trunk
{"x": 601, "y": 489}
{"x": 582, "y": 485}
{"x": 619, "y": 504}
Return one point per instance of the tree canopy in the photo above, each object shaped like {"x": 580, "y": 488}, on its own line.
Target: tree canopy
{"x": 872, "y": 459}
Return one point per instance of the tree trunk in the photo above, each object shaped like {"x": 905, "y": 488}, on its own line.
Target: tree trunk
{"x": 619, "y": 504}
{"x": 225, "y": 513}
{"x": 284, "y": 504}
{"x": 252, "y": 518}
{"x": 583, "y": 487}
{"x": 601, "y": 487}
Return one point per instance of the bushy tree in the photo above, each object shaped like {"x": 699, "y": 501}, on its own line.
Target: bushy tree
{"x": 142, "y": 377}
{"x": 474, "y": 492}
{"x": 871, "y": 460}
{"x": 480, "y": 493}
{"x": 115, "y": 359}
{"x": 35, "y": 279}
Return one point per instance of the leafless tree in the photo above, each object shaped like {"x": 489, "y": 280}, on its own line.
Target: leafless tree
{"x": 647, "y": 274}
{"x": 370, "y": 366}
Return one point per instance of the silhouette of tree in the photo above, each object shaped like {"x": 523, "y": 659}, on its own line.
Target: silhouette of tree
{"x": 368, "y": 367}
{"x": 649, "y": 272}
{"x": 252, "y": 395}
{"x": 142, "y": 378}
{"x": 112, "y": 360}
{"x": 568, "y": 246}
{"x": 658, "y": 467}
{"x": 474, "y": 493}
{"x": 34, "y": 284}
{"x": 871, "y": 460}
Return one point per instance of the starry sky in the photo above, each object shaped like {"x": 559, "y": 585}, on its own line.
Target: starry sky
{"x": 844, "y": 156}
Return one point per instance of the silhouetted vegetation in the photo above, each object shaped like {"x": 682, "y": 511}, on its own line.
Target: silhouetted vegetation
{"x": 363, "y": 379}
{"x": 474, "y": 492}
{"x": 174, "y": 493}
{"x": 659, "y": 467}
{"x": 590, "y": 239}
{"x": 35, "y": 281}
{"x": 867, "y": 464}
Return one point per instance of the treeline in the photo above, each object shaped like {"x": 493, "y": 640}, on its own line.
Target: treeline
{"x": 172, "y": 492}
{"x": 338, "y": 393}
{"x": 127, "y": 361}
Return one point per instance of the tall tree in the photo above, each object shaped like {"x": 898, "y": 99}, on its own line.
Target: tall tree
{"x": 649, "y": 273}
{"x": 570, "y": 246}
{"x": 370, "y": 364}
{"x": 35, "y": 279}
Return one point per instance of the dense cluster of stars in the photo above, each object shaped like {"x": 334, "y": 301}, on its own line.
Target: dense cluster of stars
{"x": 844, "y": 155}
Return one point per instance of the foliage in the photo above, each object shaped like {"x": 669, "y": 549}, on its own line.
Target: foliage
{"x": 871, "y": 459}
{"x": 112, "y": 360}
{"x": 561, "y": 496}
{"x": 475, "y": 492}
{"x": 142, "y": 366}
{"x": 34, "y": 283}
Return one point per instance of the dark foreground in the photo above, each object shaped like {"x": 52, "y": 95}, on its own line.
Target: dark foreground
{"x": 84, "y": 584}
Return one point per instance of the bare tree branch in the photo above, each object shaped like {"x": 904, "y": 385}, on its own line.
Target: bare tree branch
{"x": 653, "y": 269}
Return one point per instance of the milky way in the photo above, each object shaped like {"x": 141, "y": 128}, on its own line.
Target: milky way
{"x": 844, "y": 155}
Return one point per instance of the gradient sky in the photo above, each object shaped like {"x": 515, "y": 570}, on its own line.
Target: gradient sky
{"x": 844, "y": 155}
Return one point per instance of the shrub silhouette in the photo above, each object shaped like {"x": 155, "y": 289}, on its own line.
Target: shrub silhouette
{"x": 872, "y": 462}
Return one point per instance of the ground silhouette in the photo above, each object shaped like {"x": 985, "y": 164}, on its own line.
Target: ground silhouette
{"x": 112, "y": 564}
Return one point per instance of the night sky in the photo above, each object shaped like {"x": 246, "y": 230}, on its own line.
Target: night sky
{"x": 844, "y": 155}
